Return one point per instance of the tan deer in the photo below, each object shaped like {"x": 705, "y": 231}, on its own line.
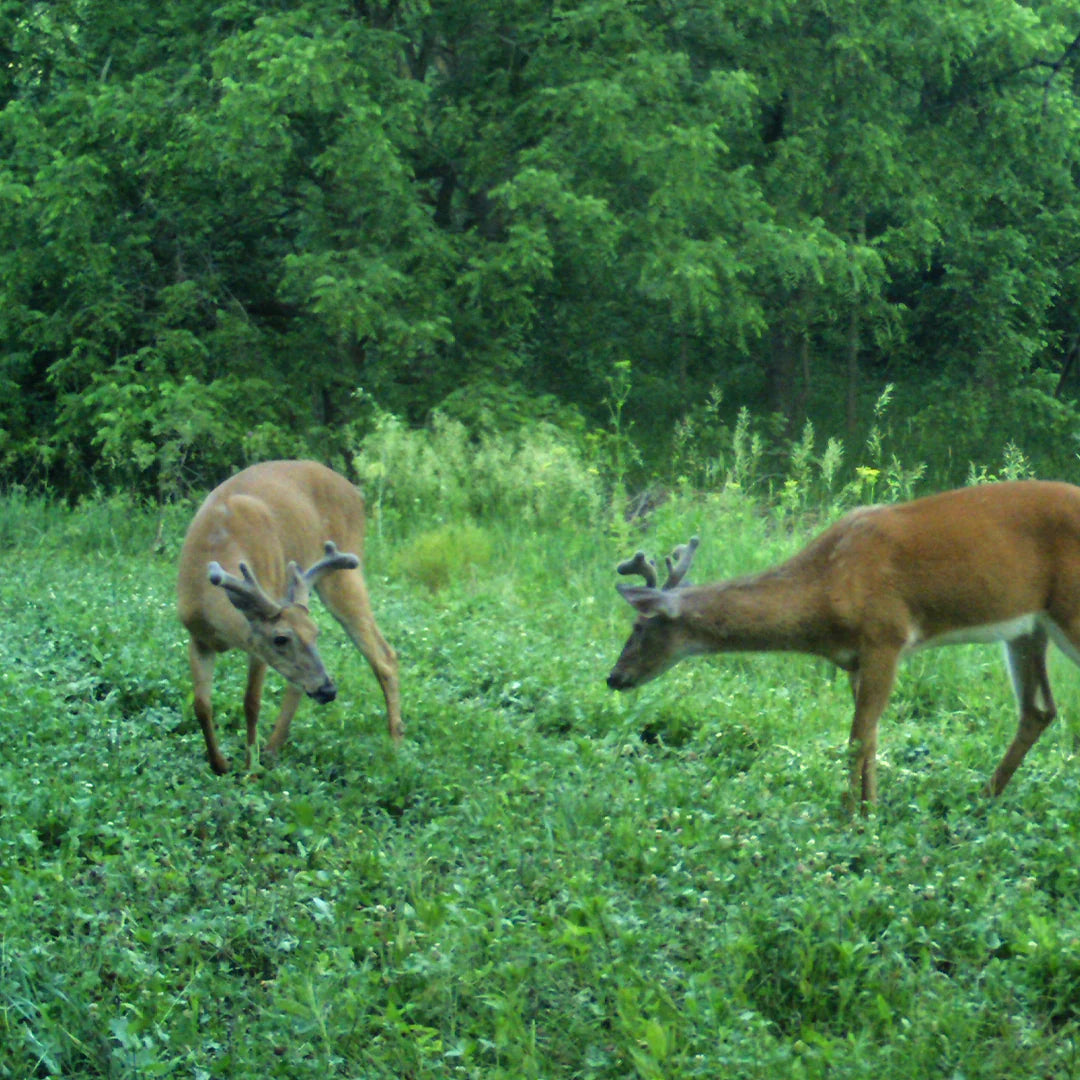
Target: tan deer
{"x": 241, "y": 586}
{"x": 997, "y": 562}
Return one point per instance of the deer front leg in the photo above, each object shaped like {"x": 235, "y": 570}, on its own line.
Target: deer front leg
{"x": 347, "y": 597}
{"x": 290, "y": 702}
{"x": 253, "y": 703}
{"x": 384, "y": 664}
{"x": 871, "y": 684}
{"x": 1027, "y": 666}
{"x": 202, "y": 675}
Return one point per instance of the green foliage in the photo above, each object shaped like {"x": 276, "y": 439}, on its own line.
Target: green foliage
{"x": 178, "y": 432}
{"x": 221, "y": 219}
{"x": 485, "y": 405}
{"x": 546, "y": 879}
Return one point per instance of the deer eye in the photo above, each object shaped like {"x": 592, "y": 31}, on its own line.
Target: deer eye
{"x": 280, "y": 641}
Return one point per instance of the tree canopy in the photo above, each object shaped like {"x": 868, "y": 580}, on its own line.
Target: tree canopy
{"x": 224, "y": 218}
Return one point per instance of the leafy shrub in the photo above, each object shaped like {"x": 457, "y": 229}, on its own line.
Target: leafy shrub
{"x": 537, "y": 477}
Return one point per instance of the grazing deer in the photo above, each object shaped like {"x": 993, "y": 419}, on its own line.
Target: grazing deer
{"x": 998, "y": 562}
{"x": 241, "y": 586}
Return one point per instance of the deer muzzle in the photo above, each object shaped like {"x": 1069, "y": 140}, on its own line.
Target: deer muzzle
{"x": 325, "y": 693}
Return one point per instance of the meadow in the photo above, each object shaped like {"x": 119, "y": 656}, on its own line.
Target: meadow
{"x": 546, "y": 879}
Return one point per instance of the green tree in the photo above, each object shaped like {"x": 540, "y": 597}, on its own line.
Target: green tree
{"x": 224, "y": 218}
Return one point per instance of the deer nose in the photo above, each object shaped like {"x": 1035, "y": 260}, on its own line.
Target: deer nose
{"x": 616, "y": 681}
{"x": 325, "y": 693}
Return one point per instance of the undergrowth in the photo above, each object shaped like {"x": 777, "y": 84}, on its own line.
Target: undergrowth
{"x": 546, "y": 879}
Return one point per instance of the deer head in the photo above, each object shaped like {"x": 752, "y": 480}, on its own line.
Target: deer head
{"x": 658, "y": 639}
{"x": 282, "y": 633}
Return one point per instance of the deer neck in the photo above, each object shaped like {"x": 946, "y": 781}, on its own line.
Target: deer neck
{"x": 771, "y": 611}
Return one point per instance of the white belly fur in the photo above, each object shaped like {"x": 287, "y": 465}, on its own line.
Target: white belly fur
{"x": 979, "y": 635}
{"x": 1004, "y": 632}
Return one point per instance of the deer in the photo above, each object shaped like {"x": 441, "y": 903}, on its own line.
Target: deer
{"x": 242, "y": 585}
{"x": 994, "y": 562}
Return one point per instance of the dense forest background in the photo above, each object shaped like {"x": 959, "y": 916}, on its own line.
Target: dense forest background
{"x": 235, "y": 228}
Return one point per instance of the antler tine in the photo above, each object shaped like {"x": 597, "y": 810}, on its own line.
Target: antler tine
{"x": 639, "y": 565}
{"x": 301, "y": 582}
{"x": 683, "y": 556}
{"x": 245, "y": 592}
{"x": 247, "y": 582}
{"x": 332, "y": 560}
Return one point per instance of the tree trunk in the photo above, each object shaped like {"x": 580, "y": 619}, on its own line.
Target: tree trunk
{"x": 853, "y": 373}
{"x": 782, "y": 369}
{"x": 803, "y": 399}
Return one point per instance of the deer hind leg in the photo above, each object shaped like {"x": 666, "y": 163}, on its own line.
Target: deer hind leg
{"x": 202, "y": 660}
{"x": 1027, "y": 667}
{"x": 871, "y": 684}
{"x": 347, "y": 597}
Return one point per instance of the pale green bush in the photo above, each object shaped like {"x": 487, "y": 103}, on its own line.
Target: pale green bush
{"x": 414, "y": 474}
{"x": 536, "y": 476}
{"x": 439, "y": 474}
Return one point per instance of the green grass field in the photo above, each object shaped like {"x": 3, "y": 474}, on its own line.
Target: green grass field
{"x": 547, "y": 879}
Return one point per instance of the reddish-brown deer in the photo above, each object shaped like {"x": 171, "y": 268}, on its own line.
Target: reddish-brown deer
{"x": 997, "y": 562}
{"x": 241, "y": 586}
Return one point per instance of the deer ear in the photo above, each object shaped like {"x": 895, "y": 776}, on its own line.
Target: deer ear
{"x": 650, "y": 602}
{"x": 297, "y": 591}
